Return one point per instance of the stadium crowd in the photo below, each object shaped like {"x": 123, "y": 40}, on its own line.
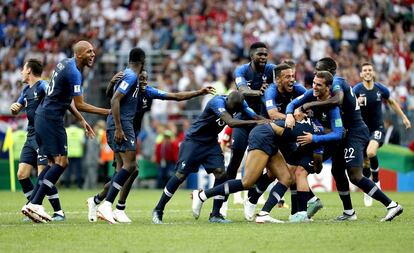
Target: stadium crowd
{"x": 209, "y": 38}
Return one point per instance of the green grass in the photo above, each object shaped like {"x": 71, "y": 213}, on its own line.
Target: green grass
{"x": 182, "y": 233}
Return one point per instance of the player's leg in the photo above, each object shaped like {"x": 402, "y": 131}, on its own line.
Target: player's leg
{"x": 119, "y": 212}
{"x": 372, "y": 149}
{"x": 255, "y": 163}
{"x": 190, "y": 154}
{"x": 129, "y": 165}
{"x": 23, "y": 175}
{"x": 303, "y": 195}
{"x": 255, "y": 193}
{"x": 239, "y": 144}
{"x": 278, "y": 167}
{"x": 220, "y": 177}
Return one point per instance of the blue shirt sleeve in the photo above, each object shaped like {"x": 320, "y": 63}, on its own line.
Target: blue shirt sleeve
{"x": 43, "y": 88}
{"x": 126, "y": 83}
{"x": 307, "y": 96}
{"x": 357, "y": 89}
{"x": 20, "y": 100}
{"x": 75, "y": 81}
{"x": 337, "y": 84}
{"x": 336, "y": 127}
{"x": 300, "y": 89}
{"x": 239, "y": 76}
{"x": 249, "y": 111}
{"x": 270, "y": 96}
{"x": 217, "y": 105}
{"x": 155, "y": 93}
{"x": 385, "y": 91}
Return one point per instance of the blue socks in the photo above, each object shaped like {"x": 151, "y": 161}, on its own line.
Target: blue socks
{"x": 169, "y": 190}
{"x": 275, "y": 196}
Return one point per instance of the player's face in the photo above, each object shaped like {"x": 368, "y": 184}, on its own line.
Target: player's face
{"x": 367, "y": 73}
{"x": 88, "y": 56}
{"x": 320, "y": 89}
{"x": 259, "y": 57}
{"x": 286, "y": 80}
{"x": 143, "y": 79}
{"x": 25, "y": 73}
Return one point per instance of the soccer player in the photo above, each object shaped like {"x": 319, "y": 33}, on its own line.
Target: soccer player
{"x": 120, "y": 129}
{"x": 251, "y": 79}
{"x": 370, "y": 96}
{"x": 30, "y": 97}
{"x": 64, "y": 89}
{"x": 264, "y": 142}
{"x": 146, "y": 95}
{"x": 201, "y": 147}
{"x": 349, "y": 155}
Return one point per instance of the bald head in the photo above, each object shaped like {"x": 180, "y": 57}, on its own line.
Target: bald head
{"x": 81, "y": 46}
{"x": 234, "y": 102}
{"x": 84, "y": 53}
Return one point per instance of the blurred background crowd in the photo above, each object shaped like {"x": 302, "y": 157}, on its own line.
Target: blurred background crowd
{"x": 190, "y": 44}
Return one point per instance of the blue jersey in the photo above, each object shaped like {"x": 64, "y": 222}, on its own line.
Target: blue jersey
{"x": 328, "y": 117}
{"x": 66, "y": 82}
{"x": 129, "y": 87}
{"x": 245, "y": 76}
{"x": 351, "y": 113}
{"x": 371, "y": 104}
{"x": 144, "y": 104}
{"x": 274, "y": 99}
{"x": 208, "y": 125}
{"x": 30, "y": 98}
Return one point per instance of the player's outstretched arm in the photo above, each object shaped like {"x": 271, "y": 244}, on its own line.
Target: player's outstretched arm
{"x": 335, "y": 100}
{"x": 394, "y": 105}
{"x": 88, "y": 129}
{"x": 232, "y": 122}
{"x": 185, "y": 95}
{"x": 82, "y": 106}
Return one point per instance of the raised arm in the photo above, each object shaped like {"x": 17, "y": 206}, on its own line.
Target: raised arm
{"x": 233, "y": 123}
{"x": 185, "y": 95}
{"x": 396, "y": 107}
{"x": 242, "y": 86}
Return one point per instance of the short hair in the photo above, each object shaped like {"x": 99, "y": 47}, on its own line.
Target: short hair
{"x": 255, "y": 46}
{"x": 328, "y": 64}
{"x": 366, "y": 64}
{"x": 279, "y": 68}
{"x": 289, "y": 62}
{"x": 136, "y": 55}
{"x": 36, "y": 66}
{"x": 326, "y": 75}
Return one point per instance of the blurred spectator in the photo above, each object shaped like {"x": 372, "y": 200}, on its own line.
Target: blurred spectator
{"x": 166, "y": 153}
{"x": 91, "y": 159}
{"x": 392, "y": 135}
{"x": 76, "y": 141}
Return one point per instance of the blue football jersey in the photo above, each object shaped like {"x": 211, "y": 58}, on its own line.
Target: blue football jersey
{"x": 30, "y": 98}
{"x": 129, "y": 87}
{"x": 351, "y": 113}
{"x": 144, "y": 104}
{"x": 371, "y": 104}
{"x": 208, "y": 125}
{"x": 245, "y": 76}
{"x": 66, "y": 82}
{"x": 274, "y": 99}
{"x": 328, "y": 117}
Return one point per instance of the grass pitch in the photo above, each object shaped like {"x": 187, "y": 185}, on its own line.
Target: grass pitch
{"x": 182, "y": 233}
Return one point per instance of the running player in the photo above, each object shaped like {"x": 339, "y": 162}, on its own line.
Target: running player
{"x": 370, "y": 96}
{"x": 64, "y": 89}
{"x": 200, "y": 146}
{"x": 31, "y": 96}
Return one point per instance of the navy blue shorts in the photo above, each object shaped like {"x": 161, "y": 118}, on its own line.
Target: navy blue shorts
{"x": 51, "y": 137}
{"x": 262, "y": 137}
{"x": 288, "y": 150}
{"x": 192, "y": 154}
{"x": 303, "y": 158}
{"x": 352, "y": 149}
{"x": 30, "y": 154}
{"x": 126, "y": 145}
{"x": 378, "y": 136}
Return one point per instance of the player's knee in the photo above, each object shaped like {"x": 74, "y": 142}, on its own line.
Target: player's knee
{"x": 355, "y": 175}
{"x": 371, "y": 153}
{"x": 22, "y": 174}
{"x": 220, "y": 174}
{"x": 131, "y": 168}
